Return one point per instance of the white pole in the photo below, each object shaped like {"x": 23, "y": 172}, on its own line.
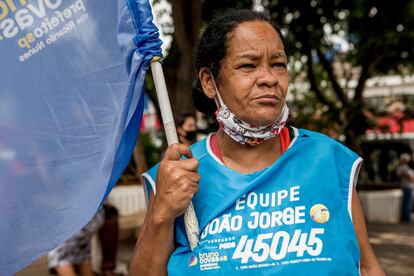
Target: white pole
{"x": 192, "y": 227}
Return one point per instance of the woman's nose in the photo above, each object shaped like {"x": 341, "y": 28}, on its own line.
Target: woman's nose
{"x": 267, "y": 77}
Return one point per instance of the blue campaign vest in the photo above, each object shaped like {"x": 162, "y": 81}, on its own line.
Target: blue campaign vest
{"x": 292, "y": 218}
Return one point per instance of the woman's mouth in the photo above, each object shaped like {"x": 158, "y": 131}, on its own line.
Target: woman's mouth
{"x": 268, "y": 99}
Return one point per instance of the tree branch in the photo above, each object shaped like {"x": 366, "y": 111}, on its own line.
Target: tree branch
{"x": 186, "y": 27}
{"x": 363, "y": 77}
{"x": 330, "y": 71}
{"x": 181, "y": 36}
{"x": 314, "y": 86}
{"x": 367, "y": 67}
{"x": 196, "y": 8}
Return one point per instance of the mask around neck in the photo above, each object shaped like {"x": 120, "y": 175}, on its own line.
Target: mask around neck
{"x": 243, "y": 132}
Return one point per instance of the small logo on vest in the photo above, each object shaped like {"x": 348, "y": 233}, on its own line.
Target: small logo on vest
{"x": 193, "y": 261}
{"x": 319, "y": 213}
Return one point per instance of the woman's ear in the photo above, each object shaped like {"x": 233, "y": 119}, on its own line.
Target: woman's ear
{"x": 207, "y": 83}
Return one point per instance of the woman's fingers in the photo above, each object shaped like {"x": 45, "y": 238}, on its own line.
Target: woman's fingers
{"x": 189, "y": 164}
{"x": 175, "y": 151}
{"x": 177, "y": 181}
{"x": 194, "y": 177}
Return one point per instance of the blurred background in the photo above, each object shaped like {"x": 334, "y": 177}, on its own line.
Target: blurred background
{"x": 351, "y": 77}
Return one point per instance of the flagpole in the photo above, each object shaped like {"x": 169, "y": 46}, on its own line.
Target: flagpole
{"x": 190, "y": 220}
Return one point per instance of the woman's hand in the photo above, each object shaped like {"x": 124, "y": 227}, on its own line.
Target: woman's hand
{"x": 177, "y": 182}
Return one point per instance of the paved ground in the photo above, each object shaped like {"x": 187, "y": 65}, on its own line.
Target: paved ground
{"x": 126, "y": 247}
{"x": 393, "y": 245}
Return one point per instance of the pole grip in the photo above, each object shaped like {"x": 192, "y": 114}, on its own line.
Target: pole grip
{"x": 192, "y": 227}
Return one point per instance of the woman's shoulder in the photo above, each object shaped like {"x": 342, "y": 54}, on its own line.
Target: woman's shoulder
{"x": 314, "y": 135}
{"x": 199, "y": 149}
{"x": 325, "y": 141}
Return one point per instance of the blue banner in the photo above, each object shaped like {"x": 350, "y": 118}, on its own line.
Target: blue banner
{"x": 71, "y": 80}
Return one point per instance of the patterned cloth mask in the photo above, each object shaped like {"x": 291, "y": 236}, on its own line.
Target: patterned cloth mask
{"x": 243, "y": 132}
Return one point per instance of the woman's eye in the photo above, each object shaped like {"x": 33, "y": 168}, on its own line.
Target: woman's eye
{"x": 279, "y": 65}
{"x": 247, "y": 65}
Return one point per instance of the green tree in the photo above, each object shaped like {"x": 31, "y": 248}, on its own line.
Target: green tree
{"x": 378, "y": 37}
{"x": 335, "y": 46}
{"x": 189, "y": 18}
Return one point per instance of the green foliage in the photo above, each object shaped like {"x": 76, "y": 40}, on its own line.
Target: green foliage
{"x": 212, "y": 8}
{"x": 151, "y": 152}
{"x": 384, "y": 29}
{"x": 344, "y": 41}
{"x": 375, "y": 29}
{"x": 336, "y": 43}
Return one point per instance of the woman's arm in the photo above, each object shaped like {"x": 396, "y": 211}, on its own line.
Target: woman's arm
{"x": 154, "y": 245}
{"x": 369, "y": 263}
{"x": 177, "y": 182}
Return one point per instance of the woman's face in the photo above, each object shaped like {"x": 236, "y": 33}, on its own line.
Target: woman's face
{"x": 189, "y": 124}
{"x": 253, "y": 79}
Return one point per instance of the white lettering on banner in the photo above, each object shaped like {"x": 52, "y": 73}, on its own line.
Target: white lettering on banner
{"x": 55, "y": 27}
{"x": 251, "y": 200}
{"x": 274, "y": 199}
{"x": 54, "y": 37}
{"x": 294, "y": 193}
{"x": 264, "y": 200}
{"x": 277, "y": 245}
{"x": 225, "y": 223}
{"x": 8, "y": 27}
{"x": 227, "y": 245}
{"x": 25, "y": 17}
{"x": 211, "y": 260}
{"x": 240, "y": 203}
{"x": 29, "y": 14}
{"x": 260, "y": 211}
{"x": 210, "y": 257}
{"x": 266, "y": 220}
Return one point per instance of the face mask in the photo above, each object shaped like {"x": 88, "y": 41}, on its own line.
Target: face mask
{"x": 243, "y": 132}
{"x": 191, "y": 135}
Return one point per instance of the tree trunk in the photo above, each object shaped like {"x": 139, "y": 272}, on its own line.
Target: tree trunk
{"x": 356, "y": 124}
{"x": 180, "y": 64}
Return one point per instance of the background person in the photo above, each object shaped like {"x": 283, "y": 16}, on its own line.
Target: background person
{"x": 75, "y": 253}
{"x": 405, "y": 175}
{"x": 253, "y": 168}
{"x": 187, "y": 128}
{"x": 108, "y": 237}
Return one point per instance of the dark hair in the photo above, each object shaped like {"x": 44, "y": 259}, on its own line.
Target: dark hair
{"x": 182, "y": 117}
{"x": 212, "y": 48}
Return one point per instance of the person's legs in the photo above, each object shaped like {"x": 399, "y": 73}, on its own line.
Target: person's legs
{"x": 86, "y": 269}
{"x": 108, "y": 235}
{"x": 65, "y": 270}
{"x": 407, "y": 204}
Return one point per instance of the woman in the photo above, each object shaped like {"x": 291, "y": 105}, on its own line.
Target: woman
{"x": 75, "y": 253}
{"x": 186, "y": 128}
{"x": 269, "y": 199}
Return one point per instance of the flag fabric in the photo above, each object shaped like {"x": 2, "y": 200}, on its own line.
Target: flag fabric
{"x": 71, "y": 82}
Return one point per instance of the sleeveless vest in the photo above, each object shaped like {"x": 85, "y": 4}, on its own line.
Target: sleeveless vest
{"x": 292, "y": 218}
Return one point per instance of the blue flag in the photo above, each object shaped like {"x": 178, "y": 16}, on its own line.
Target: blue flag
{"x": 71, "y": 81}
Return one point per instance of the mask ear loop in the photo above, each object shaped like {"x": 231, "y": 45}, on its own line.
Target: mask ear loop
{"x": 217, "y": 98}
{"x": 282, "y": 112}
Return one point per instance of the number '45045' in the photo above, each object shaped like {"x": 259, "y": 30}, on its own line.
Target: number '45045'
{"x": 277, "y": 245}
